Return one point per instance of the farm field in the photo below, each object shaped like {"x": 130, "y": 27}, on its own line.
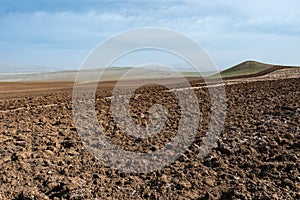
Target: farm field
{"x": 256, "y": 157}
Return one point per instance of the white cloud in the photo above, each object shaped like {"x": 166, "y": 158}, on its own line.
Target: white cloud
{"x": 230, "y": 30}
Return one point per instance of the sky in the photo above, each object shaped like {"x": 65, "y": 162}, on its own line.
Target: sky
{"x": 59, "y": 34}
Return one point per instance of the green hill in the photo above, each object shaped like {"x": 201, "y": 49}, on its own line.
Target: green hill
{"x": 245, "y": 69}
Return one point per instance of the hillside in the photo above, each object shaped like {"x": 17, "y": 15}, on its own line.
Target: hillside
{"x": 245, "y": 68}
{"x": 251, "y": 68}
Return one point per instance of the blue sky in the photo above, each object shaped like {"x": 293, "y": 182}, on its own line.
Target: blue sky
{"x": 59, "y": 34}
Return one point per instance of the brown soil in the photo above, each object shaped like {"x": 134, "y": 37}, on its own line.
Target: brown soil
{"x": 257, "y": 156}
